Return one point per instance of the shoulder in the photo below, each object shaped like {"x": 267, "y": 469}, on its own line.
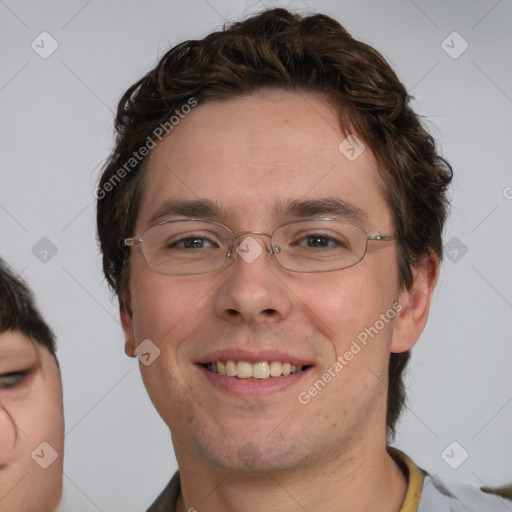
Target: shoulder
{"x": 437, "y": 496}
{"x": 426, "y": 493}
{"x": 458, "y": 497}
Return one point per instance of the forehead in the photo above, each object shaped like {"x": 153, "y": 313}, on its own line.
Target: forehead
{"x": 14, "y": 343}
{"x": 251, "y": 154}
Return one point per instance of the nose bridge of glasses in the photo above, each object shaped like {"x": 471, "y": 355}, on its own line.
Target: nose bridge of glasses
{"x": 246, "y": 234}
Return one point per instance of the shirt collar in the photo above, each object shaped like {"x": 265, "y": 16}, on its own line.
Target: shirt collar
{"x": 415, "y": 480}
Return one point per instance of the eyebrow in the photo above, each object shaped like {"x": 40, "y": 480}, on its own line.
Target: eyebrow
{"x": 201, "y": 208}
{"x": 294, "y": 208}
{"x": 330, "y": 206}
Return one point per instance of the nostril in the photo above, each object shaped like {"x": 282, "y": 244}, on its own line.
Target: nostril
{"x": 269, "y": 312}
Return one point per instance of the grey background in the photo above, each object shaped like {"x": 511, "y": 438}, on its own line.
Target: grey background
{"x": 55, "y": 132}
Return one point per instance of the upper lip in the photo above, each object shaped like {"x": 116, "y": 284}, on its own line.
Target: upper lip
{"x": 252, "y": 356}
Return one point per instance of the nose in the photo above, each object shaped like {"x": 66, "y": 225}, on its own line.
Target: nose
{"x": 7, "y": 435}
{"x": 253, "y": 290}
{"x": 247, "y": 244}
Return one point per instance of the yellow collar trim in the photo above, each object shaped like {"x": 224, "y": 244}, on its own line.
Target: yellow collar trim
{"x": 415, "y": 485}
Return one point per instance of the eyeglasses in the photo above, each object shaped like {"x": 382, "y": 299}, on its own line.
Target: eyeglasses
{"x": 188, "y": 247}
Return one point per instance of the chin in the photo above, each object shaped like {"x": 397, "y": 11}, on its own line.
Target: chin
{"x": 252, "y": 454}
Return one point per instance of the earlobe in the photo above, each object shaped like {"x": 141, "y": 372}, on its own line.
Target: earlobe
{"x": 126, "y": 323}
{"x": 415, "y": 302}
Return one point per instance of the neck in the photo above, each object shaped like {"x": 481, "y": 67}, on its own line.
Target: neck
{"x": 363, "y": 479}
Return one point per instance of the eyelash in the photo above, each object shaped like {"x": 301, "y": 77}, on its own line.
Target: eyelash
{"x": 13, "y": 379}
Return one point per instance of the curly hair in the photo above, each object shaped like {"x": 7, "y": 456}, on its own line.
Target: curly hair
{"x": 283, "y": 50}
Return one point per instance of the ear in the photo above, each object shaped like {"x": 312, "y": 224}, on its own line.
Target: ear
{"x": 412, "y": 318}
{"x": 127, "y": 324}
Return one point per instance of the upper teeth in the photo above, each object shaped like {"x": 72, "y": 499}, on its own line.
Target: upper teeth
{"x": 246, "y": 370}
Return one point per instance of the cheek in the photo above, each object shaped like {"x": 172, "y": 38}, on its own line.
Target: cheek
{"x": 163, "y": 306}
{"x": 39, "y": 417}
{"x": 42, "y": 413}
{"x": 7, "y": 432}
{"x": 168, "y": 314}
{"x": 348, "y": 301}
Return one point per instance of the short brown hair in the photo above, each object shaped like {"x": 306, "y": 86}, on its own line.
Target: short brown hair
{"x": 18, "y": 311}
{"x": 280, "y": 49}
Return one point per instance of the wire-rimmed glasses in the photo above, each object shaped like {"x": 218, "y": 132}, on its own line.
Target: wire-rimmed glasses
{"x": 192, "y": 246}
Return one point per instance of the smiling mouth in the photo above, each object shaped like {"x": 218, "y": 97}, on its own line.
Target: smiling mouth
{"x": 246, "y": 370}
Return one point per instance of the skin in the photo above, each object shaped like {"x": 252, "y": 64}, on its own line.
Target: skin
{"x": 30, "y": 413}
{"x": 245, "y": 154}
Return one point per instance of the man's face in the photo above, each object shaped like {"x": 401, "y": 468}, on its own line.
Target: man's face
{"x": 30, "y": 414}
{"x": 248, "y": 155}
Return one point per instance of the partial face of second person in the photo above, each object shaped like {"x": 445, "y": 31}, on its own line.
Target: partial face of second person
{"x": 248, "y": 155}
{"x": 30, "y": 414}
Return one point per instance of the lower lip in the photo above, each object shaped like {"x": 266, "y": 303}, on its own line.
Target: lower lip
{"x": 253, "y": 387}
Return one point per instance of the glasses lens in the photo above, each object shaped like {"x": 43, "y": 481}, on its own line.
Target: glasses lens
{"x": 319, "y": 245}
{"x": 186, "y": 247}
